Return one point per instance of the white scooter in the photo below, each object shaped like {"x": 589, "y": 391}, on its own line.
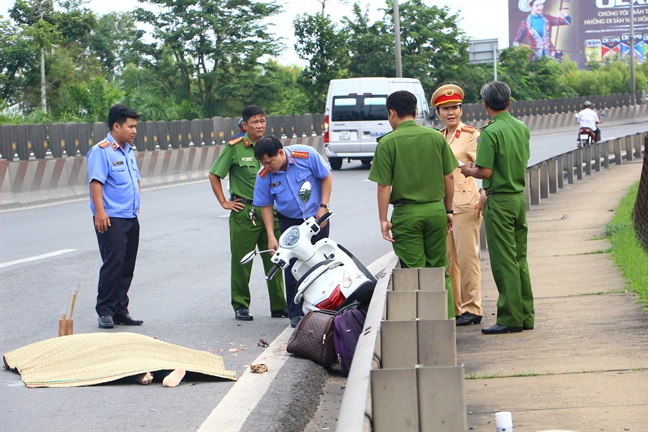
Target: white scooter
{"x": 329, "y": 276}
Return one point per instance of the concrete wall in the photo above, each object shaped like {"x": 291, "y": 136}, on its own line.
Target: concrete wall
{"x": 26, "y": 182}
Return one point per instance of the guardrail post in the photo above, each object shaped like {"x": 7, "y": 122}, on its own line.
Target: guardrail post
{"x": 637, "y": 145}
{"x": 483, "y": 245}
{"x": 527, "y": 189}
{"x": 605, "y": 154}
{"x": 570, "y": 167}
{"x": 544, "y": 180}
{"x": 561, "y": 171}
{"x": 587, "y": 156}
{"x": 628, "y": 147}
{"x": 534, "y": 189}
{"x": 618, "y": 158}
{"x": 578, "y": 163}
{"x": 597, "y": 157}
{"x": 552, "y": 165}
{"x": 442, "y": 410}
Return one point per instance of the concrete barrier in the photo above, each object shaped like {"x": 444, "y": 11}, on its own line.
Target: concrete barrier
{"x": 35, "y": 180}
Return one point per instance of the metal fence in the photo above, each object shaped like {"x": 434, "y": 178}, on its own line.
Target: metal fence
{"x": 640, "y": 211}
{"x": 71, "y": 139}
{"x": 476, "y": 112}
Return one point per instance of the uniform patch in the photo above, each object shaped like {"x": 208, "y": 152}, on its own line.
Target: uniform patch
{"x": 468, "y": 129}
{"x": 235, "y": 141}
{"x": 275, "y": 184}
{"x": 300, "y": 154}
{"x": 118, "y": 163}
{"x": 264, "y": 172}
{"x": 458, "y": 133}
{"x": 104, "y": 144}
{"x": 247, "y": 143}
{"x": 115, "y": 146}
{"x": 247, "y": 159}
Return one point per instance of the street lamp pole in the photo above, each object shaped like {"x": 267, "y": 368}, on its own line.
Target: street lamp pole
{"x": 399, "y": 63}
{"x": 632, "y": 56}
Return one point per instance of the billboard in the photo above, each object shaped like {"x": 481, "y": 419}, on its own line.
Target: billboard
{"x": 579, "y": 29}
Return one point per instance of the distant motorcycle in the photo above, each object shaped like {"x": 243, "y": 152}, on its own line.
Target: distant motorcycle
{"x": 586, "y": 136}
{"x": 329, "y": 276}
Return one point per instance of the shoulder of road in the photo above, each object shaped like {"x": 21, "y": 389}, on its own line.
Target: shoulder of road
{"x": 583, "y": 367}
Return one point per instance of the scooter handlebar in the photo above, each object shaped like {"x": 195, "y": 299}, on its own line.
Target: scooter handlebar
{"x": 324, "y": 217}
{"x": 272, "y": 272}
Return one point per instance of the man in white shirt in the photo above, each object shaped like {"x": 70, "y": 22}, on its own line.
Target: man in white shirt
{"x": 587, "y": 118}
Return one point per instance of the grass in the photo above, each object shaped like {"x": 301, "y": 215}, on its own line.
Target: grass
{"x": 627, "y": 253}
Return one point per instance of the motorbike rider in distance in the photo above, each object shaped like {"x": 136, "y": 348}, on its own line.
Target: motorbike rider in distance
{"x": 587, "y": 118}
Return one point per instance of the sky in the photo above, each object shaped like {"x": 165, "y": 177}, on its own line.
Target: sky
{"x": 481, "y": 19}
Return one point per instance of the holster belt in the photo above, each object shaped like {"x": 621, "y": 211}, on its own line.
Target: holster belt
{"x": 403, "y": 201}
{"x": 502, "y": 193}
{"x": 243, "y": 200}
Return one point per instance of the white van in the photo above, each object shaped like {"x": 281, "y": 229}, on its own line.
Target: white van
{"x": 356, "y": 115}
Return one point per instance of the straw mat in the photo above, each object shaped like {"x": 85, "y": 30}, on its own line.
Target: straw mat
{"x": 87, "y": 359}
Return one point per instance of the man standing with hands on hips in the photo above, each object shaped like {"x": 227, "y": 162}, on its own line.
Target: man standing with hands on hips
{"x": 284, "y": 172}
{"x": 468, "y": 204}
{"x": 502, "y": 158}
{"x": 114, "y": 183}
{"x": 246, "y": 230}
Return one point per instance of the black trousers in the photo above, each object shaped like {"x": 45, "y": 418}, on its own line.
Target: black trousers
{"x": 118, "y": 248}
{"x": 291, "y": 283}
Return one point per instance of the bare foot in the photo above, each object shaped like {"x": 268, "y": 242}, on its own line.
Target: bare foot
{"x": 174, "y": 378}
{"x": 145, "y": 378}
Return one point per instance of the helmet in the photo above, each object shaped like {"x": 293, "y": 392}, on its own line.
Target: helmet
{"x": 587, "y": 104}
{"x": 240, "y": 125}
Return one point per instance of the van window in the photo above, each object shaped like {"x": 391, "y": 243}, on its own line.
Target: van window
{"x": 360, "y": 107}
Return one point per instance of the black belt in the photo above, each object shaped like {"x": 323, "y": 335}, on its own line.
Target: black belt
{"x": 243, "y": 200}
{"x": 404, "y": 201}
{"x": 502, "y": 193}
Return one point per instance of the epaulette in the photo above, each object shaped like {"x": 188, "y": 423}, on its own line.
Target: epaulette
{"x": 264, "y": 172}
{"x": 299, "y": 154}
{"x": 442, "y": 130}
{"x": 487, "y": 124}
{"x": 104, "y": 143}
{"x": 383, "y": 136}
{"x": 235, "y": 141}
{"x": 468, "y": 129}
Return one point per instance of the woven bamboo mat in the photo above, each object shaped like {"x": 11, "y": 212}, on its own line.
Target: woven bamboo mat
{"x": 87, "y": 359}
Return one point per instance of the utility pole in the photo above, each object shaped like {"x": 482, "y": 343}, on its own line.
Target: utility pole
{"x": 399, "y": 63}
{"x": 633, "y": 89}
{"x": 42, "y": 68}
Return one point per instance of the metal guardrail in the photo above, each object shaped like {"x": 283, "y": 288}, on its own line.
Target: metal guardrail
{"x": 543, "y": 179}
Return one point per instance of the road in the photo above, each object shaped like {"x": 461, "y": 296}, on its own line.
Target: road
{"x": 180, "y": 290}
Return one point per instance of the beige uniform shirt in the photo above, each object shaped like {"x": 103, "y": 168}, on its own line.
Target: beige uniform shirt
{"x": 464, "y": 147}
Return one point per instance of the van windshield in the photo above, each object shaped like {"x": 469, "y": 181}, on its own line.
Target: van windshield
{"x": 359, "y": 107}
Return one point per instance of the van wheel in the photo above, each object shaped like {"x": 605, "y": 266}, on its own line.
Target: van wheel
{"x": 366, "y": 161}
{"x": 336, "y": 163}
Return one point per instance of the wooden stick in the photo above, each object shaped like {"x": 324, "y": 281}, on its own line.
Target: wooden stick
{"x": 74, "y": 298}
{"x": 67, "y": 307}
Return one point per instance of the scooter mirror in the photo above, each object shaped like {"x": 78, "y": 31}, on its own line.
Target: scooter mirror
{"x": 305, "y": 192}
{"x": 248, "y": 257}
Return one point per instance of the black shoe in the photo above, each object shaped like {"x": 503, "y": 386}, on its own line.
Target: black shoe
{"x": 468, "y": 318}
{"x": 527, "y": 327}
{"x": 294, "y": 321}
{"x": 243, "y": 314}
{"x": 500, "y": 329}
{"x": 126, "y": 320}
{"x": 281, "y": 313}
{"x": 106, "y": 321}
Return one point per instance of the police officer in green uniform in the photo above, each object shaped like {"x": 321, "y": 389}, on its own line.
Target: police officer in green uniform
{"x": 502, "y": 158}
{"x": 246, "y": 227}
{"x": 413, "y": 167}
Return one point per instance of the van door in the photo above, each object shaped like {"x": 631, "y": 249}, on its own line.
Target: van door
{"x": 344, "y": 128}
{"x": 375, "y": 120}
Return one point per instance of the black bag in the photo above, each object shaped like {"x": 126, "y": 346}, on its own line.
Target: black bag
{"x": 313, "y": 337}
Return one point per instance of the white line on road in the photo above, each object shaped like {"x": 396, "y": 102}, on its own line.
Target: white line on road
{"x": 234, "y": 409}
{"x": 37, "y": 257}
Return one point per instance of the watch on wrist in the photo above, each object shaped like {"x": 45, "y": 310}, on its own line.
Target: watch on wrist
{"x": 449, "y": 211}
{"x": 326, "y": 206}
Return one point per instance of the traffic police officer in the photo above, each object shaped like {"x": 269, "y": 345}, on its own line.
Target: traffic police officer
{"x": 284, "y": 172}
{"x": 114, "y": 183}
{"x": 502, "y": 158}
{"x": 463, "y": 241}
{"x": 246, "y": 232}
{"x": 413, "y": 167}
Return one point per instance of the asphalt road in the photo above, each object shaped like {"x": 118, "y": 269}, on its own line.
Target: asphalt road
{"x": 180, "y": 290}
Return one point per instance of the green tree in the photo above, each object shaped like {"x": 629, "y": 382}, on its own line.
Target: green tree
{"x": 203, "y": 46}
{"x": 324, "y": 48}
{"x": 116, "y": 42}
